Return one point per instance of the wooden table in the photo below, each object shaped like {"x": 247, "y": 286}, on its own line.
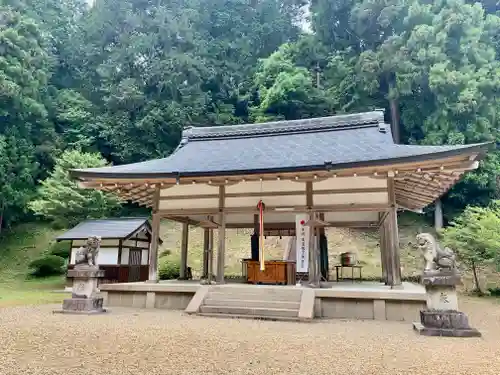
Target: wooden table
{"x": 275, "y": 272}
{"x": 341, "y": 277}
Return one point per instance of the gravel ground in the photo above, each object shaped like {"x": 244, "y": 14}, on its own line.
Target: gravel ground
{"x": 126, "y": 341}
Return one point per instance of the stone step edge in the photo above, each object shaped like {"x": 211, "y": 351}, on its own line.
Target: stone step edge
{"x": 251, "y": 308}
{"x": 253, "y": 301}
{"x": 251, "y": 317}
{"x": 255, "y": 296}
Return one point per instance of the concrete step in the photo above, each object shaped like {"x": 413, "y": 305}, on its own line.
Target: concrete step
{"x": 256, "y": 289}
{"x": 256, "y": 317}
{"x": 257, "y": 295}
{"x": 242, "y": 310}
{"x": 251, "y": 303}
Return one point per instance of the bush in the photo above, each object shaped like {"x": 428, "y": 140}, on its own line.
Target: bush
{"x": 169, "y": 268}
{"x": 494, "y": 291}
{"x": 47, "y": 266}
{"x": 165, "y": 253}
{"x": 61, "y": 249}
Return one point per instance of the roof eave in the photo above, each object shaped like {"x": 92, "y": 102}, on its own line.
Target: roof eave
{"x": 479, "y": 149}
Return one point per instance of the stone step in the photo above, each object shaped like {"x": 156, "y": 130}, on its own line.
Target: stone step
{"x": 252, "y": 303}
{"x": 246, "y": 316}
{"x": 256, "y": 295}
{"x": 245, "y": 288}
{"x": 242, "y": 310}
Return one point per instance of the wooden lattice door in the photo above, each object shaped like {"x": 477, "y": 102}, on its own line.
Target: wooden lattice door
{"x": 134, "y": 262}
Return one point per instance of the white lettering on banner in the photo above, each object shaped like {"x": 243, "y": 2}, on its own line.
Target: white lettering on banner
{"x": 302, "y": 248}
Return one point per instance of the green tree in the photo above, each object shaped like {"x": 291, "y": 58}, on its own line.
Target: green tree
{"x": 63, "y": 202}
{"x": 154, "y": 67}
{"x": 475, "y": 236}
{"x": 27, "y": 138}
{"x": 286, "y": 90}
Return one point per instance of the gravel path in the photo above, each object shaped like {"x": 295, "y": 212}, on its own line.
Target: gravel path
{"x": 140, "y": 342}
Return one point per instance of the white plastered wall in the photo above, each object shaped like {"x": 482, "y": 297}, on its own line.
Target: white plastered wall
{"x": 106, "y": 256}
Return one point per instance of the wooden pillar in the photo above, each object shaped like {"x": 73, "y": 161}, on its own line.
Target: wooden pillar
{"x": 222, "y": 235}
{"x": 392, "y": 223}
{"x": 314, "y": 269}
{"x": 383, "y": 248}
{"x": 153, "y": 249}
{"x": 206, "y": 250}
{"x": 184, "y": 251}
{"x": 387, "y": 252}
{"x": 438, "y": 215}
{"x": 155, "y": 238}
{"x": 210, "y": 264}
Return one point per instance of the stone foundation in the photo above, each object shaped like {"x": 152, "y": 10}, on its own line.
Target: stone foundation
{"x": 82, "y": 306}
{"x": 451, "y": 323}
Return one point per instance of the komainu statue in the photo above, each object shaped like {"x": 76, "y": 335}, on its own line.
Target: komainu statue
{"x": 436, "y": 258}
{"x": 87, "y": 254}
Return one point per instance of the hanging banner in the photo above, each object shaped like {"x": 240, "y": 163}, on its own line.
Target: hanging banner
{"x": 302, "y": 244}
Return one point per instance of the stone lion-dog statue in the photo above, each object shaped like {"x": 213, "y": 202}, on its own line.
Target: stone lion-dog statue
{"x": 436, "y": 258}
{"x": 87, "y": 254}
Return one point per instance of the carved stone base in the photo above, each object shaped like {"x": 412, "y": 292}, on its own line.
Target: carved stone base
{"x": 82, "y": 306}
{"x": 449, "y": 323}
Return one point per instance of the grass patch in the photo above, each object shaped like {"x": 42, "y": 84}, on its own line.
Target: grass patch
{"x": 32, "y": 292}
{"x": 18, "y": 247}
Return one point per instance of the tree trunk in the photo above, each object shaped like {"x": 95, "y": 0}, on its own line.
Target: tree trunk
{"x": 1, "y": 217}
{"x": 394, "y": 104}
{"x": 476, "y": 279}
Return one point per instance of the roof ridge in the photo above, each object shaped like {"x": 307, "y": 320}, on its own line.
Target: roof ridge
{"x": 117, "y": 218}
{"x": 283, "y": 127}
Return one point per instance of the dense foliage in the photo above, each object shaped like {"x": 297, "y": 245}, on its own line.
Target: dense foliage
{"x": 47, "y": 265}
{"x": 123, "y": 77}
{"x": 60, "y": 198}
{"x": 475, "y": 236}
{"x": 169, "y": 268}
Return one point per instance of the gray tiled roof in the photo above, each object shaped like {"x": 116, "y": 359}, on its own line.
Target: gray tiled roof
{"x": 311, "y": 144}
{"x": 119, "y": 228}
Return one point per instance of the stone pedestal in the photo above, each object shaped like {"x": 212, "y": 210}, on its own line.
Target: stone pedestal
{"x": 442, "y": 318}
{"x": 84, "y": 298}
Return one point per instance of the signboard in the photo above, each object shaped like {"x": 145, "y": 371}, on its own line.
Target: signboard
{"x": 302, "y": 244}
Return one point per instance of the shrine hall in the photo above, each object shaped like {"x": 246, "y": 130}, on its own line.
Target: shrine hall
{"x": 294, "y": 178}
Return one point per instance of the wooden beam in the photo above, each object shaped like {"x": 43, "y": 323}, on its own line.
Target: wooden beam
{"x": 295, "y": 209}
{"x": 279, "y": 193}
{"x": 182, "y": 219}
{"x": 411, "y": 186}
{"x": 208, "y": 224}
{"x": 417, "y": 198}
{"x": 408, "y": 204}
{"x": 287, "y": 226}
{"x": 382, "y": 217}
